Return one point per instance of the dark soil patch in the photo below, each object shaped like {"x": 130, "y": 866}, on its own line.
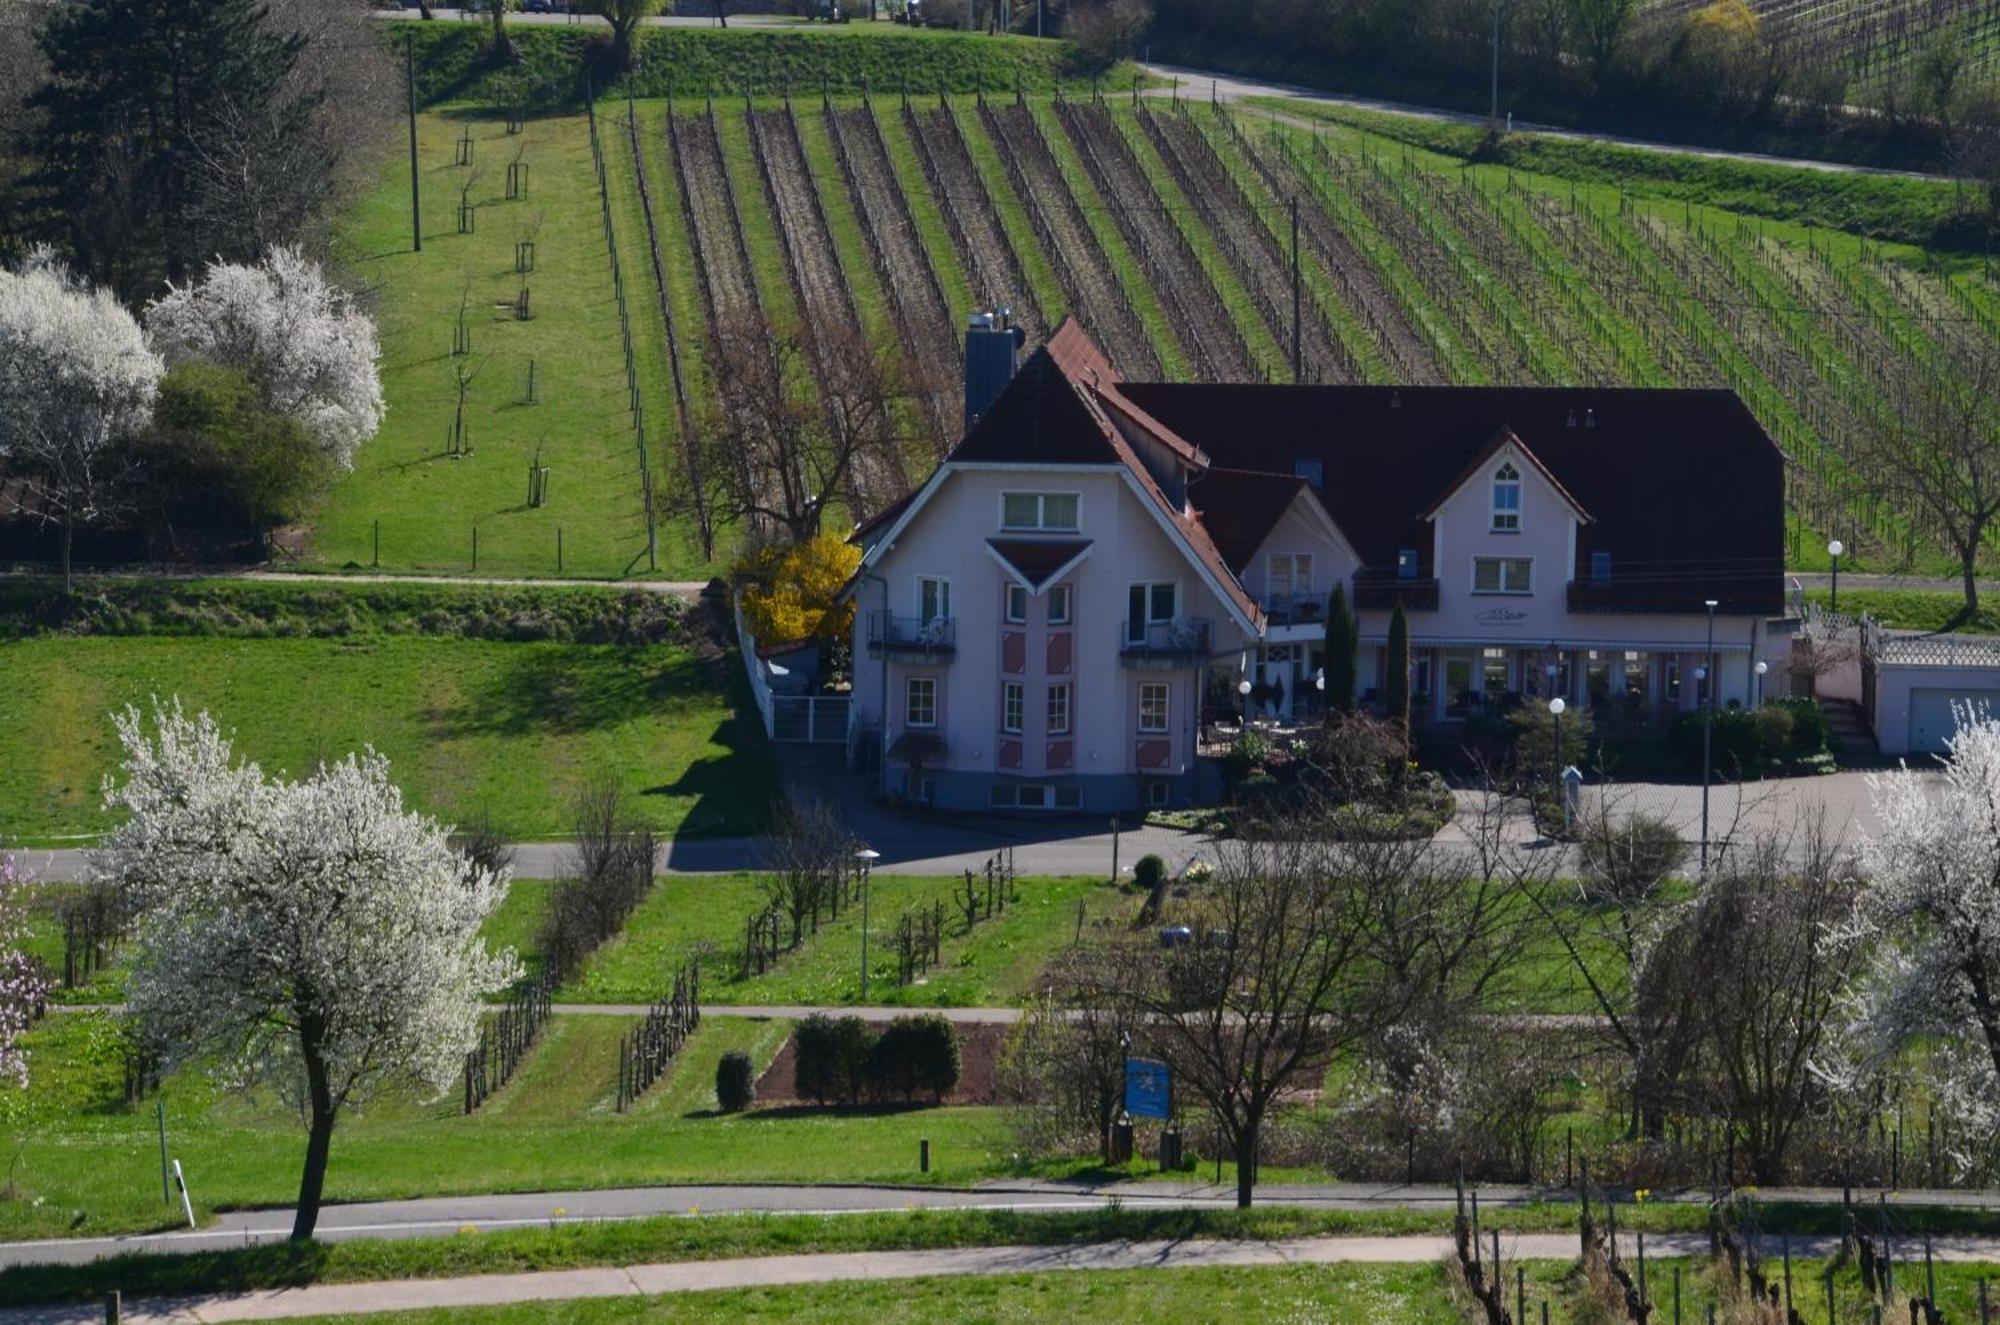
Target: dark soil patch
{"x": 979, "y": 1045}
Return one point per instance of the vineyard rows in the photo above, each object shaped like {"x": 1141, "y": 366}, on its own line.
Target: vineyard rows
{"x": 1172, "y": 234}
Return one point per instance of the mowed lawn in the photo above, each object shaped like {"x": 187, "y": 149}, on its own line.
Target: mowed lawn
{"x": 1376, "y": 1294}
{"x": 471, "y": 728}
{"x": 426, "y": 501}
{"x": 997, "y": 962}
{"x": 84, "y": 1161}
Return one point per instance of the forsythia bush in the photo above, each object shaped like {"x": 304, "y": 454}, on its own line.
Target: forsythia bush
{"x": 787, "y": 593}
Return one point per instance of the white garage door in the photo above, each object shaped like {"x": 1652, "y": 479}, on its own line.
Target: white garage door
{"x": 1932, "y": 721}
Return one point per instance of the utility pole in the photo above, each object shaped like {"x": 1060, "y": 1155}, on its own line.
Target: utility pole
{"x": 1298, "y": 344}
{"x": 1498, "y": 5}
{"x": 410, "y": 80}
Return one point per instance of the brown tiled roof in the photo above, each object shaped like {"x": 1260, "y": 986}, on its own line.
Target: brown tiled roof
{"x": 1239, "y": 508}
{"x": 1036, "y": 559}
{"x": 1685, "y": 488}
{"x": 886, "y": 516}
{"x": 1503, "y": 439}
{"x": 1058, "y": 410}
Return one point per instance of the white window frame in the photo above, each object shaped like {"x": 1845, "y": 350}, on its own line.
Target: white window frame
{"x": 1502, "y": 591}
{"x": 1149, "y": 619}
{"x": 1041, "y": 524}
{"x": 1506, "y": 519}
{"x": 1298, "y": 573}
{"x": 1013, "y": 707}
{"x": 1059, "y": 594}
{"x": 1011, "y": 594}
{"x": 944, "y": 598}
{"x": 910, "y": 687}
{"x": 1166, "y": 695}
{"x": 1060, "y": 716}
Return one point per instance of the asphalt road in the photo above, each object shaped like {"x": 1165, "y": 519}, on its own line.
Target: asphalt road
{"x": 442, "y": 1215}
{"x": 1208, "y": 83}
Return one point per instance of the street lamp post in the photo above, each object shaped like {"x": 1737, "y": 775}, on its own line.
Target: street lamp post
{"x": 1243, "y": 689}
{"x": 1706, "y": 674}
{"x": 867, "y": 856}
{"x": 1759, "y": 670}
{"x": 1833, "y": 550}
{"x": 1319, "y": 684}
{"x": 1498, "y": 5}
{"x": 1556, "y": 707}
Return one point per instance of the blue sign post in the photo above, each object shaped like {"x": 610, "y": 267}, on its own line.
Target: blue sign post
{"x": 1149, "y": 1089}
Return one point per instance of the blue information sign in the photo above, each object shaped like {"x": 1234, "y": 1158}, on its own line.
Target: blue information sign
{"x": 1148, "y": 1089}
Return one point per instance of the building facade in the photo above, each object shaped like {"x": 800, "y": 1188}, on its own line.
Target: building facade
{"x": 1100, "y": 566}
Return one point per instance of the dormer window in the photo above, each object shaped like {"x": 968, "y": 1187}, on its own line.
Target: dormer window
{"x": 1600, "y": 567}
{"x": 1407, "y": 564}
{"x": 1055, "y": 512}
{"x": 1507, "y": 499}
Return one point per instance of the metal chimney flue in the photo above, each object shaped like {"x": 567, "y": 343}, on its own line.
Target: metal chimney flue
{"x": 992, "y": 350}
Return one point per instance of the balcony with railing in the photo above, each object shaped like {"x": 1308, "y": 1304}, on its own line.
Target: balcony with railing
{"x": 1294, "y": 609}
{"x": 1181, "y": 642}
{"x": 911, "y": 639}
{"x": 1380, "y": 588}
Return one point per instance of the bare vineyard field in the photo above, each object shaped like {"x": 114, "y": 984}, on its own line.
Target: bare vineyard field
{"x": 1169, "y": 232}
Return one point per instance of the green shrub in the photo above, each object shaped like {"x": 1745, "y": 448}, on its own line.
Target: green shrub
{"x": 1774, "y": 732}
{"x": 1628, "y": 858}
{"x": 1810, "y": 734}
{"x": 1248, "y": 755}
{"x": 1735, "y": 742}
{"x": 1149, "y": 872}
{"x": 1259, "y": 789}
{"x": 912, "y": 1056}
{"x": 842, "y": 1060}
{"x": 735, "y": 1082}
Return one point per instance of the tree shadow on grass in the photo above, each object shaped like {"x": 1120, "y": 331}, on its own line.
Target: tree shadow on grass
{"x": 781, "y": 1112}
{"x": 570, "y": 690}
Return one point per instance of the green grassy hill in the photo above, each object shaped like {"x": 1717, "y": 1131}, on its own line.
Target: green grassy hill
{"x": 1163, "y": 225}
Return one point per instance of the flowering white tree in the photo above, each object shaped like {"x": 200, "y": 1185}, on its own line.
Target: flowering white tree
{"x": 1933, "y": 907}
{"x": 76, "y": 380}
{"x": 22, "y": 984}
{"x": 312, "y": 935}
{"x": 305, "y": 345}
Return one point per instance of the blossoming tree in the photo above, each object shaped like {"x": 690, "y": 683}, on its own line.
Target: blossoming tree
{"x": 76, "y": 380}
{"x": 301, "y": 341}
{"x": 22, "y": 984}
{"x": 312, "y": 935}
{"x": 1933, "y": 904}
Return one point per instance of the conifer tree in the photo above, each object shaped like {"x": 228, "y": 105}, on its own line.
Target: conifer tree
{"x": 171, "y": 135}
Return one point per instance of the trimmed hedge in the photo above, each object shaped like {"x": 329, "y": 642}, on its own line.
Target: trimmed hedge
{"x": 249, "y": 609}
{"x": 453, "y": 66}
{"x": 843, "y": 1060}
{"x": 735, "y": 1082}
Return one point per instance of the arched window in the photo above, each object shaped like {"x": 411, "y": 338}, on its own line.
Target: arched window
{"x": 1600, "y": 566}
{"x": 1507, "y": 499}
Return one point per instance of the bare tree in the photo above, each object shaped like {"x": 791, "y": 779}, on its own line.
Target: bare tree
{"x": 1619, "y": 908}
{"x": 1276, "y": 983}
{"x": 1937, "y": 449}
{"x": 1064, "y": 1066}
{"x": 1773, "y": 956}
{"x": 807, "y": 851}
{"x": 776, "y": 451}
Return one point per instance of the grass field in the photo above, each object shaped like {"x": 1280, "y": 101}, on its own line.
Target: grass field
{"x": 427, "y": 501}
{"x": 82, "y": 1161}
{"x": 471, "y": 727}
